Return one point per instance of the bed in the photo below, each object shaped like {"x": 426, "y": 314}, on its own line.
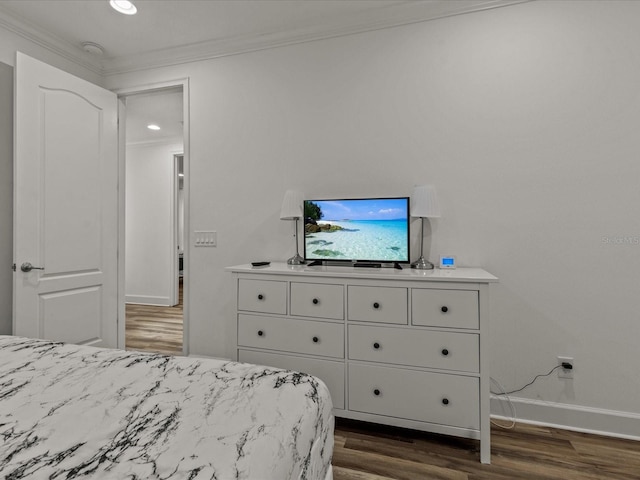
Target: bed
{"x": 69, "y": 411}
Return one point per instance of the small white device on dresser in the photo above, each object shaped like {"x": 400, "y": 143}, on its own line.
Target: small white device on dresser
{"x": 399, "y": 347}
{"x": 448, "y": 261}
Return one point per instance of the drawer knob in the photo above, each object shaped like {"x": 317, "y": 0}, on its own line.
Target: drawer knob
{"x": 260, "y": 296}
{"x": 376, "y": 305}
{"x": 316, "y": 339}
{"x": 445, "y": 401}
{"x": 376, "y": 392}
{"x": 376, "y": 345}
{"x": 260, "y": 333}
{"x": 315, "y": 301}
{"x": 444, "y": 309}
{"x": 445, "y": 352}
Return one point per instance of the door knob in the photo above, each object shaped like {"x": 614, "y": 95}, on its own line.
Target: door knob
{"x": 27, "y": 267}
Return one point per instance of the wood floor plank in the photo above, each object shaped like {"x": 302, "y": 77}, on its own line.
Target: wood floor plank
{"x": 154, "y": 328}
{"x": 613, "y": 461}
{"x": 392, "y": 467}
{"x": 525, "y": 453}
{"x": 342, "y": 473}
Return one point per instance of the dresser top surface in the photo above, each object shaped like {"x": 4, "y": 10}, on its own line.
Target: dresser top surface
{"x": 464, "y": 274}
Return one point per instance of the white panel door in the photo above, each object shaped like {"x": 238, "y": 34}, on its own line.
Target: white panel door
{"x": 66, "y": 207}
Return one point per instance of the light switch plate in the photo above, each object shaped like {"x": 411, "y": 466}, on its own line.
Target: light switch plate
{"x": 205, "y": 238}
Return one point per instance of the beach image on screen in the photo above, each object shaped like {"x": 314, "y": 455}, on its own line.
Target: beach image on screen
{"x": 357, "y": 229}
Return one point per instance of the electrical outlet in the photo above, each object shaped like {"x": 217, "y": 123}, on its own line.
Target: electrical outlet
{"x": 565, "y": 372}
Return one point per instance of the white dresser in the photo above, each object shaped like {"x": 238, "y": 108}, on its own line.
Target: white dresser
{"x": 399, "y": 347}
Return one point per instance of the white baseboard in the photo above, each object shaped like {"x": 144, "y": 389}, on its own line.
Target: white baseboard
{"x": 598, "y": 421}
{"x": 148, "y": 300}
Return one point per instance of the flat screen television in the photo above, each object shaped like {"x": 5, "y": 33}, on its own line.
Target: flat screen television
{"x": 367, "y": 230}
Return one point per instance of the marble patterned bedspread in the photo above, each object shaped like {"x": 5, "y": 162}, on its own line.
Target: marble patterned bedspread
{"x": 69, "y": 411}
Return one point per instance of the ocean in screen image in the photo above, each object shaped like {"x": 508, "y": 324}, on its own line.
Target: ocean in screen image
{"x": 383, "y": 240}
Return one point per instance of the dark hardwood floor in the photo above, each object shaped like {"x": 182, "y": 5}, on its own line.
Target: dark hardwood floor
{"x": 373, "y": 452}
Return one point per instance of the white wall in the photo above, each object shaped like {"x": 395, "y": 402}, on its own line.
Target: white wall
{"x": 6, "y": 197}
{"x": 149, "y": 226}
{"x": 524, "y": 117}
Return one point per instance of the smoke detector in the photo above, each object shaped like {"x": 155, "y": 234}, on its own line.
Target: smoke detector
{"x": 93, "y": 48}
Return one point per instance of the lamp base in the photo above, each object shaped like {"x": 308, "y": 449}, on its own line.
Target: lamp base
{"x": 296, "y": 260}
{"x": 422, "y": 264}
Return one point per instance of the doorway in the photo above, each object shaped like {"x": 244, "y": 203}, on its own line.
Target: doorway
{"x": 155, "y": 215}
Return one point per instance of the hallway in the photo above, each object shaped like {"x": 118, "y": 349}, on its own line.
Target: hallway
{"x": 155, "y": 329}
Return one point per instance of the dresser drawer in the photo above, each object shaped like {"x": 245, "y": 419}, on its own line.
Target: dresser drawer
{"x": 419, "y": 348}
{"x": 264, "y": 296}
{"x": 291, "y": 335}
{"x": 330, "y": 372}
{"x": 377, "y": 304}
{"x": 445, "y": 308}
{"x": 414, "y": 395}
{"x": 317, "y": 300}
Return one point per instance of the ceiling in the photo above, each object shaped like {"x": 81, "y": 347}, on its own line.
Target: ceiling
{"x": 160, "y": 107}
{"x": 169, "y": 32}
{"x": 166, "y": 32}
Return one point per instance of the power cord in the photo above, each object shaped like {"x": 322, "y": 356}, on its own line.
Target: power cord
{"x": 514, "y": 415}
{"x": 503, "y": 392}
{"x": 564, "y": 365}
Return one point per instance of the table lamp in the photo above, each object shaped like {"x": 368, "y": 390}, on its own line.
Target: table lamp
{"x": 424, "y": 204}
{"x": 292, "y": 210}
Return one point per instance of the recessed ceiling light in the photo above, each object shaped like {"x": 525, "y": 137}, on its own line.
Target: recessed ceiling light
{"x": 153, "y": 127}
{"x": 123, "y": 6}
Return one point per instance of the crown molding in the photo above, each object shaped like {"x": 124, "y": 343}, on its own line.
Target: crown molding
{"x": 48, "y": 41}
{"x": 381, "y": 18}
{"x": 405, "y": 13}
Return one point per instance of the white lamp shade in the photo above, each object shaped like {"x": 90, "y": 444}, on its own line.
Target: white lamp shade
{"x": 291, "y": 205}
{"x": 424, "y": 202}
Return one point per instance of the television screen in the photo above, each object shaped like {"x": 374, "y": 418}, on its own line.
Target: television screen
{"x": 362, "y": 229}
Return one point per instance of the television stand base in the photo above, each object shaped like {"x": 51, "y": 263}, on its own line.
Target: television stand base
{"x": 329, "y": 263}
{"x": 368, "y": 264}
